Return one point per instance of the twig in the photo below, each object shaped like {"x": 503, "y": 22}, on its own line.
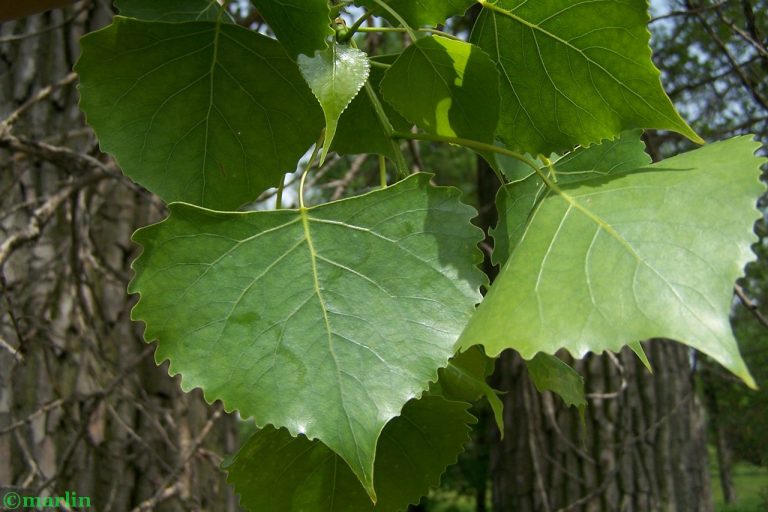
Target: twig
{"x": 343, "y": 183}
{"x": 42, "y": 410}
{"x": 744, "y": 78}
{"x": 41, "y": 216}
{"x": 750, "y": 305}
{"x": 6, "y": 124}
{"x": 622, "y": 386}
{"x": 15, "y": 353}
{"x": 49, "y": 28}
{"x": 167, "y": 490}
{"x": 688, "y": 12}
{"x": 132, "y": 433}
{"x": 162, "y": 495}
{"x": 57, "y": 155}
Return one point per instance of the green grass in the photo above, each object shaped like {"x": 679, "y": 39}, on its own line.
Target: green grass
{"x": 751, "y": 484}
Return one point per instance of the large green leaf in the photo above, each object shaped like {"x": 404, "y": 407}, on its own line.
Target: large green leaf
{"x": 418, "y": 13}
{"x": 302, "y": 26}
{"x": 573, "y": 72}
{"x": 172, "y": 10}
{"x": 517, "y": 202}
{"x": 446, "y": 87}
{"x": 335, "y": 76}
{"x": 652, "y": 252}
{"x": 274, "y": 471}
{"x": 323, "y": 320}
{"x": 186, "y": 118}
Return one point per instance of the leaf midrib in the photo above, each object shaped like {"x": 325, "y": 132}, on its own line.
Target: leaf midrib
{"x": 211, "y": 72}
{"x": 313, "y": 255}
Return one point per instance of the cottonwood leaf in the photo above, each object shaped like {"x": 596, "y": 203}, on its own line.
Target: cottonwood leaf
{"x": 325, "y": 320}
{"x": 174, "y": 103}
{"x": 647, "y": 253}
{"x": 172, "y": 10}
{"x": 464, "y": 379}
{"x": 418, "y": 13}
{"x": 623, "y": 154}
{"x": 301, "y": 26}
{"x": 335, "y": 76}
{"x": 550, "y": 373}
{"x": 274, "y": 471}
{"x": 360, "y": 129}
{"x": 573, "y": 72}
{"x": 446, "y": 87}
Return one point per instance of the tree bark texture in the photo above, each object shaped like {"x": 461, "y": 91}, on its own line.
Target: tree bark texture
{"x": 83, "y": 407}
{"x": 722, "y": 447}
{"x": 642, "y": 445}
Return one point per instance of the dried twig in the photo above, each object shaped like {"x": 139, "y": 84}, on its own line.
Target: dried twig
{"x": 41, "y": 216}
{"x": 354, "y": 169}
{"x": 7, "y": 123}
{"x": 750, "y": 305}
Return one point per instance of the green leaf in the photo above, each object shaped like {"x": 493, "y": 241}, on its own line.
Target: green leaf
{"x": 419, "y": 13}
{"x": 172, "y": 10}
{"x": 301, "y": 26}
{"x": 446, "y": 87}
{"x": 464, "y": 379}
{"x": 186, "y": 119}
{"x": 323, "y": 320}
{"x": 573, "y": 72}
{"x": 639, "y": 351}
{"x": 360, "y": 130}
{"x": 623, "y": 154}
{"x": 335, "y": 76}
{"x": 550, "y": 373}
{"x": 652, "y": 252}
{"x": 274, "y": 471}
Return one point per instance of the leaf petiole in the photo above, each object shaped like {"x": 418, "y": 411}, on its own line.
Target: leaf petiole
{"x": 402, "y": 29}
{"x": 394, "y": 13}
{"x": 380, "y": 65}
{"x": 552, "y": 172}
{"x": 356, "y": 26}
{"x": 310, "y": 163}
{"x": 383, "y": 171}
{"x": 470, "y": 144}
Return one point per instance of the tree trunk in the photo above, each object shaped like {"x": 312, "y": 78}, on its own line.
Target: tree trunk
{"x": 722, "y": 447}
{"x": 83, "y": 407}
{"x": 642, "y": 446}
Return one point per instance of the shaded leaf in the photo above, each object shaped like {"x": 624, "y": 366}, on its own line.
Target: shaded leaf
{"x": 186, "y": 119}
{"x": 652, "y": 252}
{"x": 360, "y": 130}
{"x": 623, "y": 154}
{"x": 274, "y": 471}
{"x": 301, "y": 26}
{"x": 335, "y": 76}
{"x": 446, "y": 87}
{"x": 573, "y": 72}
{"x": 550, "y": 373}
{"x": 418, "y": 13}
{"x": 172, "y": 10}
{"x": 464, "y": 379}
{"x": 323, "y": 320}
